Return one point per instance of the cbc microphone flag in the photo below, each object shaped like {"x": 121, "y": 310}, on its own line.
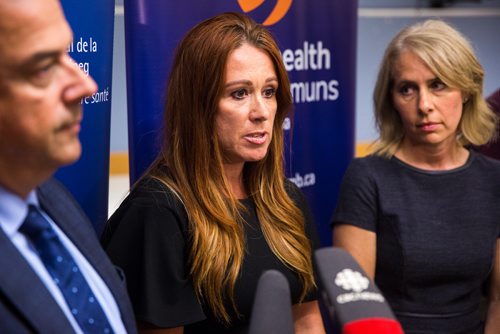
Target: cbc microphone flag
{"x": 317, "y": 39}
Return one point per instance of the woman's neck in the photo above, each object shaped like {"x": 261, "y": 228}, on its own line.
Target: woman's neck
{"x": 429, "y": 157}
{"x": 234, "y": 176}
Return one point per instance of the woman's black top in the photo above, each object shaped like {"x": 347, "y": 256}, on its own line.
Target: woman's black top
{"x": 148, "y": 237}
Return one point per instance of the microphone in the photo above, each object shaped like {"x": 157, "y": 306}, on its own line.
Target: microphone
{"x": 272, "y": 307}
{"x": 352, "y": 299}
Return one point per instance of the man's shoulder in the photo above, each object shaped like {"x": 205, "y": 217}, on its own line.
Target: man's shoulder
{"x": 53, "y": 187}
{"x": 53, "y": 195}
{"x": 53, "y": 192}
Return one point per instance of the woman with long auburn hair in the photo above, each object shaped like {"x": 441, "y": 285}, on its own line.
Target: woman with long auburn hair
{"x": 215, "y": 209}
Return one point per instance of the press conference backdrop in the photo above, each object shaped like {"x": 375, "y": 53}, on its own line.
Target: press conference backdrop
{"x": 92, "y": 22}
{"x": 317, "y": 40}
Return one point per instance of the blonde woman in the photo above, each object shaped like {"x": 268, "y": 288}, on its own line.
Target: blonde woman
{"x": 215, "y": 210}
{"x": 422, "y": 214}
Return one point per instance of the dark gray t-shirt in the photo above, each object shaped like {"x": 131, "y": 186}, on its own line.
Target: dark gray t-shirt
{"x": 436, "y": 236}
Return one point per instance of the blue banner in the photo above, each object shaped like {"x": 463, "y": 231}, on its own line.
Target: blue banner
{"x": 318, "y": 43}
{"x": 92, "y": 22}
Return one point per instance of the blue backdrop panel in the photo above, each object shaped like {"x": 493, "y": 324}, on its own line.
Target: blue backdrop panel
{"x": 92, "y": 48}
{"x": 317, "y": 40}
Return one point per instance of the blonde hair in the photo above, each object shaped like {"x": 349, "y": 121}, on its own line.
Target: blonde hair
{"x": 191, "y": 164}
{"x": 451, "y": 58}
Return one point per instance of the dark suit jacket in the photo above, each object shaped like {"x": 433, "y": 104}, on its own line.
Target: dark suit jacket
{"x": 26, "y": 306}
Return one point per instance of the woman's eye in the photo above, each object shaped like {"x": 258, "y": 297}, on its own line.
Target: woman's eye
{"x": 406, "y": 90}
{"x": 269, "y": 92}
{"x": 239, "y": 94}
{"x": 438, "y": 85}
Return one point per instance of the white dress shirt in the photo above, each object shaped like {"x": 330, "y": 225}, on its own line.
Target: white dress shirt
{"x": 13, "y": 211}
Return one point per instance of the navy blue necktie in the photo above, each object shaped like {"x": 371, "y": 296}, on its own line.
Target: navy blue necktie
{"x": 66, "y": 273}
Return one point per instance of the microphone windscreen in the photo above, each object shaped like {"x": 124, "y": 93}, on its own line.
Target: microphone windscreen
{"x": 350, "y": 296}
{"x": 373, "y": 326}
{"x": 272, "y": 307}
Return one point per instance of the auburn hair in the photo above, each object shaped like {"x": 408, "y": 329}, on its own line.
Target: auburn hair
{"x": 191, "y": 164}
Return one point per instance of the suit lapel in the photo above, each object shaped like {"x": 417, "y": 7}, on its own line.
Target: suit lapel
{"x": 27, "y": 293}
{"x": 57, "y": 202}
{"x": 72, "y": 222}
{"x": 77, "y": 228}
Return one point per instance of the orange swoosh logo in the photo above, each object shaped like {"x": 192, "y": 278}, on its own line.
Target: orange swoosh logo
{"x": 278, "y": 12}
{"x": 249, "y": 5}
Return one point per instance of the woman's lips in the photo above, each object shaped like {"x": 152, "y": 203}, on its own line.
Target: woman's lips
{"x": 428, "y": 127}
{"x": 256, "y": 138}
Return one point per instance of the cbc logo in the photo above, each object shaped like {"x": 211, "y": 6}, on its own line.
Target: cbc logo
{"x": 351, "y": 280}
{"x": 279, "y": 11}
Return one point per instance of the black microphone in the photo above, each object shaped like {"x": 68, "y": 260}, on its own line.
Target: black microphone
{"x": 351, "y": 297}
{"x": 272, "y": 307}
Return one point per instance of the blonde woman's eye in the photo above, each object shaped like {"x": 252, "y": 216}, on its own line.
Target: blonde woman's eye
{"x": 438, "y": 85}
{"x": 406, "y": 90}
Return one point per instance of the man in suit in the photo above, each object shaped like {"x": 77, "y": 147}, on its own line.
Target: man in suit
{"x": 40, "y": 115}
